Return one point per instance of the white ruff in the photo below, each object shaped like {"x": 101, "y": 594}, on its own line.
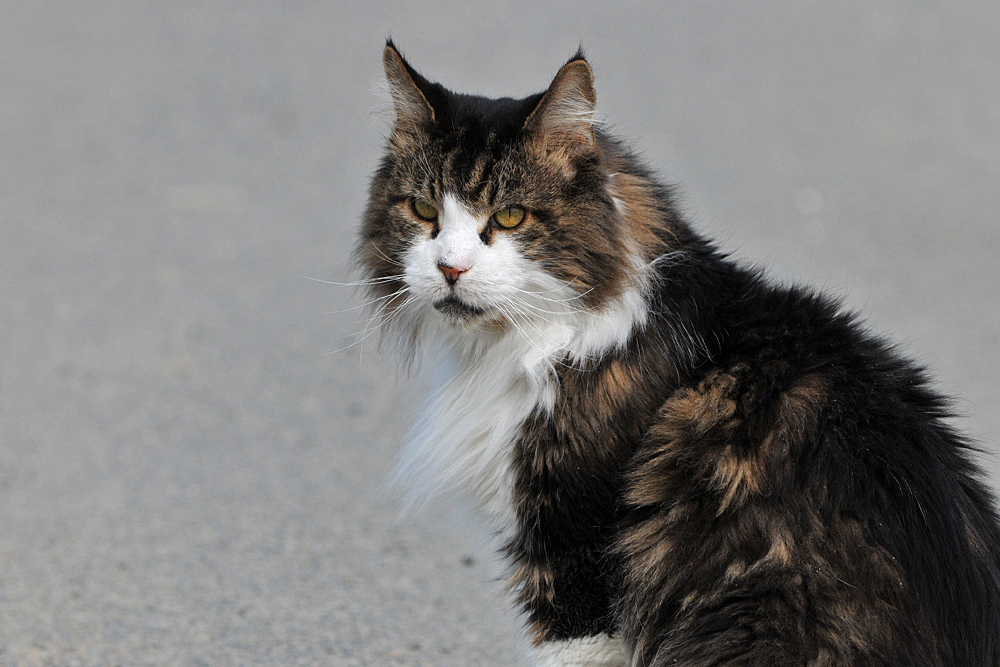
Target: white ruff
{"x": 596, "y": 651}
{"x": 486, "y": 384}
{"x": 488, "y": 379}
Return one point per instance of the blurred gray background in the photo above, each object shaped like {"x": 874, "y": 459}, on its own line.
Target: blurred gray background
{"x": 188, "y": 478}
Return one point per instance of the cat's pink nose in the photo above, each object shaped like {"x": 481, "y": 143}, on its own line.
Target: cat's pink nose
{"x": 451, "y": 273}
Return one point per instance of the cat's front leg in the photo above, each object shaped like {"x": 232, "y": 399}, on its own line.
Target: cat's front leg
{"x": 601, "y": 650}
{"x": 567, "y": 601}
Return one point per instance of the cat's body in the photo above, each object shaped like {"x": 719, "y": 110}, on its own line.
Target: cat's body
{"x": 684, "y": 463}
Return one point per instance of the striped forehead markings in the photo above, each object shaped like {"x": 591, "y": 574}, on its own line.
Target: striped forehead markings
{"x": 481, "y": 181}
{"x": 474, "y": 172}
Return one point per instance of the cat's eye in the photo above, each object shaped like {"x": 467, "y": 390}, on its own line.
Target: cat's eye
{"x": 425, "y": 210}
{"x": 509, "y": 217}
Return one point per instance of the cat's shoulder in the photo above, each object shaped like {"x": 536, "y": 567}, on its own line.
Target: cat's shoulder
{"x": 797, "y": 384}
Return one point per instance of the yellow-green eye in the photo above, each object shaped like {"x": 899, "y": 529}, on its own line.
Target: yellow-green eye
{"x": 509, "y": 217}
{"x": 425, "y": 210}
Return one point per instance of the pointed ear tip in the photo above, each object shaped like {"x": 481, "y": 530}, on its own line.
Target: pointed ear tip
{"x": 585, "y": 66}
{"x": 580, "y": 73}
{"x": 391, "y": 60}
{"x": 579, "y": 67}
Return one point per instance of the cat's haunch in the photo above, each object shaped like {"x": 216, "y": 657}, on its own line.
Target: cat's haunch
{"x": 683, "y": 463}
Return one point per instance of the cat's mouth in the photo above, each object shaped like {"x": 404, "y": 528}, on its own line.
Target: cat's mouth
{"x": 453, "y": 307}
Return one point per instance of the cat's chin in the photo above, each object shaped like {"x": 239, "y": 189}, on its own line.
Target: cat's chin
{"x": 459, "y": 312}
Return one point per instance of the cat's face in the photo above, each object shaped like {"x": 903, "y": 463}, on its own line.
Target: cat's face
{"x": 491, "y": 213}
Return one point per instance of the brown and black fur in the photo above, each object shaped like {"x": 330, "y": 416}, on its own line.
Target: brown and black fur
{"x": 754, "y": 479}
{"x": 794, "y": 499}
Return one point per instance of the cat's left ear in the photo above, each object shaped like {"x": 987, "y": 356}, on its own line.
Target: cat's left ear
{"x": 413, "y": 112}
{"x": 562, "y": 123}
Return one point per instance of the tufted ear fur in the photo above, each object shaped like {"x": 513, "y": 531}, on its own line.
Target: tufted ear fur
{"x": 413, "y": 111}
{"x": 562, "y": 124}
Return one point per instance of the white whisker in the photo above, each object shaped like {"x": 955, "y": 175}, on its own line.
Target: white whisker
{"x": 386, "y": 257}
{"x": 358, "y": 283}
{"x": 369, "y": 303}
{"x": 378, "y": 319}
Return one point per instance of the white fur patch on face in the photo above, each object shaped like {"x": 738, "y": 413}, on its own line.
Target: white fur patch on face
{"x": 490, "y": 272}
{"x": 595, "y": 651}
{"x": 458, "y": 243}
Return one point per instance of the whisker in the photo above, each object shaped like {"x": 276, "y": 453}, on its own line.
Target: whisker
{"x": 554, "y": 289}
{"x": 378, "y": 320}
{"x": 513, "y": 321}
{"x": 385, "y": 319}
{"x": 369, "y": 303}
{"x": 540, "y": 312}
{"x": 359, "y": 283}
{"x": 386, "y": 257}
{"x": 513, "y": 314}
{"x": 531, "y": 320}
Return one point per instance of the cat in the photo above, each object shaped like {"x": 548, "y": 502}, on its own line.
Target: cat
{"x": 683, "y": 463}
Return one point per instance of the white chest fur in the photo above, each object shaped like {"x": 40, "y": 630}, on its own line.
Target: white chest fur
{"x": 464, "y": 439}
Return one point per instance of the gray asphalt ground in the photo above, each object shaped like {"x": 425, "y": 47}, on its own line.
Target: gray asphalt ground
{"x": 188, "y": 478}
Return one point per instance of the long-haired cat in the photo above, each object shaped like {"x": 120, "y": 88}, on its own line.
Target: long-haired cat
{"x": 684, "y": 464}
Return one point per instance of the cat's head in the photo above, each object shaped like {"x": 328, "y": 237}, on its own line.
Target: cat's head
{"x": 501, "y": 214}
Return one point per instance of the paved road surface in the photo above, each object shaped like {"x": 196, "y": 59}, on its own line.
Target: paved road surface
{"x": 186, "y": 478}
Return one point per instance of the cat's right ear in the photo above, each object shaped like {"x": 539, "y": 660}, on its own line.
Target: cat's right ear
{"x": 562, "y": 124}
{"x": 413, "y": 112}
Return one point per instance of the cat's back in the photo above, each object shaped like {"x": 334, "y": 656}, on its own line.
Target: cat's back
{"x": 808, "y": 464}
